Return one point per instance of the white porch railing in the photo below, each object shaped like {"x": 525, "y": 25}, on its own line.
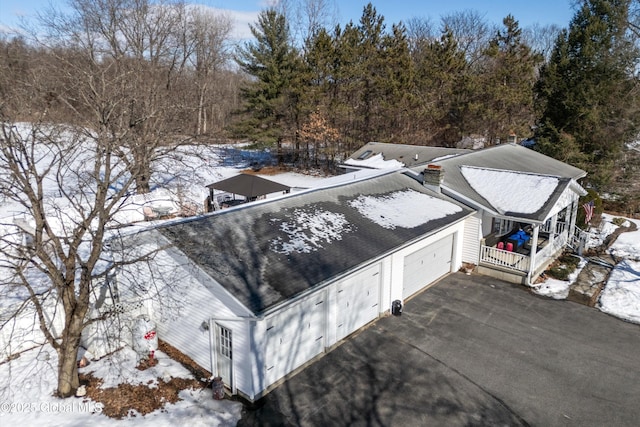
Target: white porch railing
{"x": 506, "y": 259}
{"x": 549, "y": 251}
{"x": 520, "y": 262}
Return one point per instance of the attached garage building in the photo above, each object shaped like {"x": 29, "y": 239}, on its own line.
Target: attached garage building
{"x": 256, "y": 292}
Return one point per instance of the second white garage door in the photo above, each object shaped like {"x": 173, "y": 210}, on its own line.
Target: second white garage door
{"x": 358, "y": 301}
{"x": 426, "y": 265}
{"x": 294, "y": 337}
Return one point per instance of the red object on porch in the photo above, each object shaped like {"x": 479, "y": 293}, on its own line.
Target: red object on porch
{"x": 509, "y": 247}
{"x": 500, "y": 245}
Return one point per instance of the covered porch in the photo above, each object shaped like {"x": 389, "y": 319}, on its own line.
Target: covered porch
{"x": 519, "y": 250}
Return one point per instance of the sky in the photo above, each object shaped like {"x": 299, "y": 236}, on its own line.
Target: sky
{"x": 527, "y": 12}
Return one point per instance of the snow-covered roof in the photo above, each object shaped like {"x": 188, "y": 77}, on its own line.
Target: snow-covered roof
{"x": 509, "y": 191}
{"x": 408, "y": 155}
{"x": 375, "y": 161}
{"x": 510, "y": 180}
{"x": 267, "y": 253}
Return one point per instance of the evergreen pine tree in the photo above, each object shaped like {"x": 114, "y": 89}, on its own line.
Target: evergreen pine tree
{"x": 508, "y": 78}
{"x": 589, "y": 107}
{"x": 271, "y": 95}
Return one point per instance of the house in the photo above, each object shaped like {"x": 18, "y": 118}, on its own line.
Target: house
{"x": 511, "y": 188}
{"x": 255, "y": 292}
{"x": 378, "y": 155}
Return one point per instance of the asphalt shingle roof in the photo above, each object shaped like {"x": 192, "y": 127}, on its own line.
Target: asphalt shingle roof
{"x": 249, "y": 250}
{"x": 410, "y": 155}
{"x": 508, "y": 157}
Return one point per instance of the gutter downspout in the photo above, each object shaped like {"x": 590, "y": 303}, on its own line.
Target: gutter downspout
{"x": 532, "y": 256}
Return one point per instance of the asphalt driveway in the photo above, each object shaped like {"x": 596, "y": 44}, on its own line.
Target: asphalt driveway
{"x": 470, "y": 350}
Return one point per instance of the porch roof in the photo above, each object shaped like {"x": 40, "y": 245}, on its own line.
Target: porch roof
{"x": 548, "y": 183}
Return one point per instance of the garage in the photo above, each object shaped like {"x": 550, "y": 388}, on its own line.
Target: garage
{"x": 426, "y": 265}
{"x": 273, "y": 286}
{"x": 294, "y": 336}
{"x": 357, "y": 301}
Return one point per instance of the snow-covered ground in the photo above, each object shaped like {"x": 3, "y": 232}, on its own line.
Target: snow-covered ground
{"x": 621, "y": 294}
{"x": 27, "y": 382}
{"x": 32, "y": 377}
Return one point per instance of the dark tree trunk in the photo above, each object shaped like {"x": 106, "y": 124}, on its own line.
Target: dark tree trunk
{"x": 68, "y": 381}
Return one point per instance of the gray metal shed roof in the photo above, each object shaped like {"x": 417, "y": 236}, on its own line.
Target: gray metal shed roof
{"x": 406, "y": 153}
{"x": 236, "y": 247}
{"x": 249, "y": 185}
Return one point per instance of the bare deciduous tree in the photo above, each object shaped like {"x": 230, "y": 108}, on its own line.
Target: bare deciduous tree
{"x": 98, "y": 91}
{"x": 541, "y": 38}
{"x": 209, "y": 33}
{"x": 471, "y": 31}
{"x": 137, "y": 49}
{"x": 69, "y": 181}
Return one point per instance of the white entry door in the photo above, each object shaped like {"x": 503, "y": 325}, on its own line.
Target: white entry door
{"x": 224, "y": 354}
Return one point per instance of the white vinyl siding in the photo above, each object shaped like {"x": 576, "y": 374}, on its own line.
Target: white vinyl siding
{"x": 471, "y": 239}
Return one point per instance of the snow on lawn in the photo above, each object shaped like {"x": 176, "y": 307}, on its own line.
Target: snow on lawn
{"x": 406, "y": 209}
{"x": 559, "y": 289}
{"x": 500, "y": 188}
{"x": 29, "y": 381}
{"x": 627, "y": 245}
{"x": 621, "y": 295}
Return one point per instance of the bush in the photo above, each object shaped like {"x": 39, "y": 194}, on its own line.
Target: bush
{"x": 618, "y": 221}
{"x": 563, "y": 267}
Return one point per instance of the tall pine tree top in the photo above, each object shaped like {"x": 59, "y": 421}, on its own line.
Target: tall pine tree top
{"x": 272, "y": 61}
{"x": 588, "y": 106}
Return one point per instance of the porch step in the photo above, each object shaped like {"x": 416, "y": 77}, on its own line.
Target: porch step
{"x": 589, "y": 283}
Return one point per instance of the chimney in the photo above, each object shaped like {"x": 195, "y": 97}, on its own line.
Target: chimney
{"x": 433, "y": 177}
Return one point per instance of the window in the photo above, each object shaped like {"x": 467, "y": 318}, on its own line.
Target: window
{"x": 224, "y": 342}
{"x": 502, "y": 226}
{"x": 364, "y": 155}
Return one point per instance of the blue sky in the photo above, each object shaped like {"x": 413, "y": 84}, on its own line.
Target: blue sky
{"x": 527, "y": 12}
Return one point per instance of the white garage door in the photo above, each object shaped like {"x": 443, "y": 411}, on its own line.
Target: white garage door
{"x": 426, "y": 265}
{"x": 294, "y": 337}
{"x": 358, "y": 301}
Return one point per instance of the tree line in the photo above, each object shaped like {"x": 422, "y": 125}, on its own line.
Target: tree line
{"x": 573, "y": 90}
{"x": 166, "y": 72}
{"x": 408, "y": 84}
